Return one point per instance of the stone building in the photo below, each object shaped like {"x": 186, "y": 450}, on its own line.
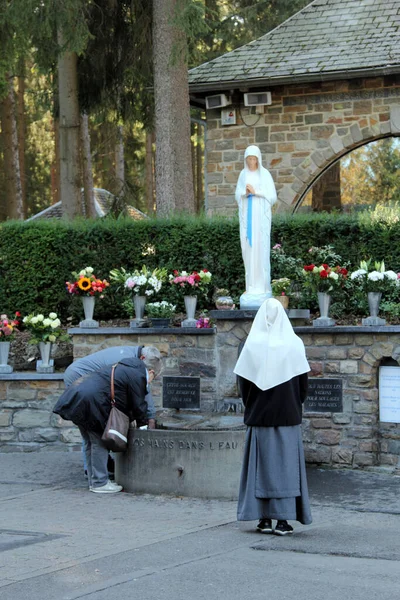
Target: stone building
{"x": 333, "y": 74}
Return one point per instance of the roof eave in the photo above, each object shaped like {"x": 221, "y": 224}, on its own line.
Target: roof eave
{"x": 293, "y": 79}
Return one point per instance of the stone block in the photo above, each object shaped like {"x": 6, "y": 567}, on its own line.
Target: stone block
{"x": 338, "y": 353}
{"x": 262, "y": 134}
{"x": 355, "y": 352}
{"x": 7, "y": 434}
{"x": 31, "y": 418}
{"x": 370, "y": 360}
{"x": 381, "y": 350}
{"x": 365, "y": 420}
{"x": 361, "y": 381}
{"x": 342, "y": 456}
{"x": 25, "y": 435}
{"x": 389, "y": 459}
{"x": 364, "y": 339}
{"x": 336, "y": 143}
{"x": 348, "y": 366}
{"x": 315, "y": 353}
{"x": 363, "y": 459}
{"x": 327, "y": 437}
{"x": 360, "y": 432}
{"x": 343, "y": 339}
{"x": 356, "y": 133}
{"x": 5, "y": 418}
{"x": 316, "y": 368}
{"x": 323, "y": 339}
{"x": 45, "y": 435}
{"x": 318, "y": 455}
{"x": 341, "y": 419}
{"x": 364, "y": 407}
{"x": 368, "y": 446}
{"x": 395, "y": 118}
{"x": 71, "y": 436}
{"x": 332, "y": 367}
{"x": 23, "y": 394}
{"x": 321, "y": 423}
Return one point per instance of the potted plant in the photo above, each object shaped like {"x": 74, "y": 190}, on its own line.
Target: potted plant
{"x": 323, "y": 281}
{"x": 280, "y": 288}
{"x": 44, "y": 332}
{"x": 142, "y": 284}
{"x": 374, "y": 283}
{"x": 8, "y": 327}
{"x": 88, "y": 286}
{"x": 191, "y": 285}
{"x": 160, "y": 313}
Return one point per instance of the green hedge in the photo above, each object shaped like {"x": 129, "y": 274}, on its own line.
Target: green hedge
{"x": 36, "y": 258}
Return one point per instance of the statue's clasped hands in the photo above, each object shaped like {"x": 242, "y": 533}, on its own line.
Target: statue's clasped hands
{"x": 250, "y": 190}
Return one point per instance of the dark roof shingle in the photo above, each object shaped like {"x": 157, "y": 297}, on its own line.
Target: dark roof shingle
{"x": 326, "y": 38}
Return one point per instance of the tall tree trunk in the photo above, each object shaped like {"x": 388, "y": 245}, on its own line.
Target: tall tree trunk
{"x": 21, "y": 123}
{"x": 70, "y": 184}
{"x": 119, "y": 163}
{"x": 87, "y": 172}
{"x": 149, "y": 173}
{"x": 174, "y": 181}
{"x": 14, "y": 205}
{"x": 55, "y": 167}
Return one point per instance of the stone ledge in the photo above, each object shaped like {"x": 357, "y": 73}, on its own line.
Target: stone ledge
{"x": 349, "y": 329}
{"x": 237, "y": 315}
{"x": 32, "y": 376}
{"x": 141, "y": 330}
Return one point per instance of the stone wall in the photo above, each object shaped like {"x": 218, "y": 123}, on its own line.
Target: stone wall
{"x": 305, "y": 130}
{"x": 27, "y": 422}
{"x": 353, "y": 438}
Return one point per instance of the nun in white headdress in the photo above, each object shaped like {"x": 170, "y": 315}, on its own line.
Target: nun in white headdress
{"x": 255, "y": 195}
{"x": 272, "y": 371}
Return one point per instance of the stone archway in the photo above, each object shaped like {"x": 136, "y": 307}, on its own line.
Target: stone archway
{"x": 307, "y": 170}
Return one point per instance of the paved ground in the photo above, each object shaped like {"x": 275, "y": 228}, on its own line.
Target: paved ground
{"x": 60, "y": 542}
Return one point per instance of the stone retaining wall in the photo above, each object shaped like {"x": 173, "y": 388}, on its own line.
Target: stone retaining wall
{"x": 353, "y": 438}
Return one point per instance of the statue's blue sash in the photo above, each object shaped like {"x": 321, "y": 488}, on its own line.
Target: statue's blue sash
{"x": 249, "y": 233}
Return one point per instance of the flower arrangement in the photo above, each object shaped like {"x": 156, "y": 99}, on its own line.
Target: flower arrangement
{"x": 145, "y": 282}
{"x": 86, "y": 283}
{"x": 280, "y": 286}
{"x": 44, "y": 329}
{"x": 191, "y": 283}
{"x": 8, "y": 327}
{"x": 160, "y": 310}
{"x": 142, "y": 283}
{"x": 324, "y": 278}
{"x": 378, "y": 280}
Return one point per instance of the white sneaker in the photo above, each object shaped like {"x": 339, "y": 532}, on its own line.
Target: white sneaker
{"x": 108, "y": 488}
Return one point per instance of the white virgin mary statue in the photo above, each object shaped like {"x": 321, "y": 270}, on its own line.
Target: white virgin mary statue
{"x": 255, "y": 195}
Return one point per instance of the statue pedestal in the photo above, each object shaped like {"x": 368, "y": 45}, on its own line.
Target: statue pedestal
{"x": 253, "y": 301}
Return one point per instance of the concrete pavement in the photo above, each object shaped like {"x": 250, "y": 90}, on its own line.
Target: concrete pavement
{"x": 60, "y": 542}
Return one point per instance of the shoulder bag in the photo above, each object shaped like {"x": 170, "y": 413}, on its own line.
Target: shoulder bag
{"x": 115, "y": 436}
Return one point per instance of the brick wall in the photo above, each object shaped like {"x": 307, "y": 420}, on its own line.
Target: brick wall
{"x": 306, "y": 129}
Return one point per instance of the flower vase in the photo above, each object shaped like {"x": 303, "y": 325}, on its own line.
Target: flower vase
{"x": 284, "y": 300}
{"x": 45, "y": 364}
{"x": 324, "y": 302}
{"x": 190, "y": 307}
{"x": 4, "y": 352}
{"x": 374, "y": 299}
{"x": 224, "y": 303}
{"x": 88, "y": 303}
{"x": 139, "y": 302}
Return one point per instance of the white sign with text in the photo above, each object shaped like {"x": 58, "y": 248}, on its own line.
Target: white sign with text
{"x": 389, "y": 394}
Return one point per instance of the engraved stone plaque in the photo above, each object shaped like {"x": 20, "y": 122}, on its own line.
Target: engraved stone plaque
{"x": 181, "y": 392}
{"x": 324, "y": 395}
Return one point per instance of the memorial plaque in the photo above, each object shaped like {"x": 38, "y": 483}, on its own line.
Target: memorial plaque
{"x": 181, "y": 392}
{"x": 389, "y": 394}
{"x": 324, "y": 395}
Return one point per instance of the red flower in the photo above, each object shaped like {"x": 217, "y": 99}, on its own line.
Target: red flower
{"x": 309, "y": 267}
{"x": 326, "y": 267}
{"x": 17, "y": 314}
{"x": 176, "y": 272}
{"x": 197, "y": 277}
{"x": 324, "y": 274}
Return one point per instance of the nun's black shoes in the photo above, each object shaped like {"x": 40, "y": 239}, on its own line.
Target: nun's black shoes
{"x": 283, "y": 528}
{"x": 265, "y": 526}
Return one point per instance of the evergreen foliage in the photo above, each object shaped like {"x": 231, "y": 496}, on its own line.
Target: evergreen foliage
{"x": 38, "y": 257}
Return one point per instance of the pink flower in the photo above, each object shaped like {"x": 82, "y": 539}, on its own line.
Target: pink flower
{"x": 277, "y": 246}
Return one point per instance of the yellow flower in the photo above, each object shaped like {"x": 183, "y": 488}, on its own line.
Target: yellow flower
{"x": 84, "y": 284}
